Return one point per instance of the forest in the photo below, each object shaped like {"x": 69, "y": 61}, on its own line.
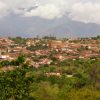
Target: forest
{"x": 78, "y": 80}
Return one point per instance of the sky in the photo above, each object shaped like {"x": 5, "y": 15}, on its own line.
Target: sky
{"x": 85, "y": 11}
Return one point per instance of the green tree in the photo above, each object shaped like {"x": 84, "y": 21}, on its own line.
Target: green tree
{"x": 45, "y": 91}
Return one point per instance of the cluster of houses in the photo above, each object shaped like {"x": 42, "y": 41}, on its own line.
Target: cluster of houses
{"x": 60, "y": 49}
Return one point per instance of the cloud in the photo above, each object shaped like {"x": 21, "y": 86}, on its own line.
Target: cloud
{"x": 87, "y": 11}
{"x": 2, "y": 9}
{"x": 80, "y": 10}
{"x": 15, "y": 6}
{"x": 49, "y": 11}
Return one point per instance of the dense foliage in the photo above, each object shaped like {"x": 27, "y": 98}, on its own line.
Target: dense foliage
{"x": 25, "y": 83}
{"x": 19, "y": 40}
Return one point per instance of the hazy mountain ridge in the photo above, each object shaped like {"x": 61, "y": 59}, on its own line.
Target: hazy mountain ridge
{"x": 36, "y": 26}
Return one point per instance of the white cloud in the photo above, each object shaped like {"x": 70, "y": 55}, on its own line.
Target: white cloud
{"x": 49, "y": 11}
{"x": 12, "y": 6}
{"x": 2, "y": 9}
{"x": 88, "y": 12}
{"x": 81, "y": 10}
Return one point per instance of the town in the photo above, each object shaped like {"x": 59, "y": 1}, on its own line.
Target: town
{"x": 47, "y": 49}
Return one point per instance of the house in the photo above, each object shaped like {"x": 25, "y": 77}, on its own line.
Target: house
{"x": 4, "y": 57}
{"x": 30, "y": 42}
{"x": 53, "y": 74}
{"x": 57, "y": 44}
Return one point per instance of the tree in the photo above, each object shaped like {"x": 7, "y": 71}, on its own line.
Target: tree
{"x": 19, "y": 61}
{"x": 45, "y": 91}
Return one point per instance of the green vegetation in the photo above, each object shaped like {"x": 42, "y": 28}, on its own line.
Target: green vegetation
{"x": 39, "y": 46}
{"x": 26, "y": 83}
{"x": 49, "y": 37}
{"x": 98, "y": 37}
{"x": 19, "y": 40}
{"x": 19, "y": 61}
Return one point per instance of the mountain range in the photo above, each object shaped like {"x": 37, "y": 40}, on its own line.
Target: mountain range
{"x": 30, "y": 27}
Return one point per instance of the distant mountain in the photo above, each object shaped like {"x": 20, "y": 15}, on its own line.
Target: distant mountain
{"x": 75, "y": 29}
{"x": 30, "y": 27}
